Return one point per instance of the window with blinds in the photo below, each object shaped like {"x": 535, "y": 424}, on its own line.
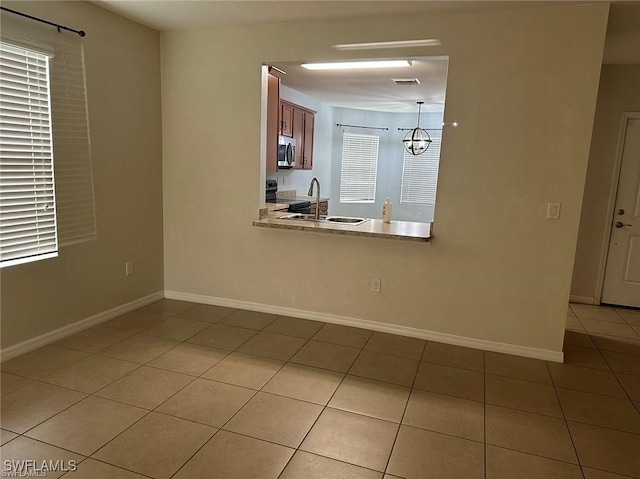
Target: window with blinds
{"x": 27, "y": 196}
{"x": 420, "y": 175}
{"x": 359, "y": 168}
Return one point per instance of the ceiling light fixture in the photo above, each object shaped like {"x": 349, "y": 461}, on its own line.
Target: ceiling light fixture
{"x": 406, "y": 81}
{"x": 357, "y": 65}
{"x": 417, "y": 141}
{"x": 428, "y": 42}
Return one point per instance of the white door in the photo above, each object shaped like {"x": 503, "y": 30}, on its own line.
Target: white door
{"x": 622, "y": 274}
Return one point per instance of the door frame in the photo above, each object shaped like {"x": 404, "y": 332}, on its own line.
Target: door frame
{"x": 613, "y": 195}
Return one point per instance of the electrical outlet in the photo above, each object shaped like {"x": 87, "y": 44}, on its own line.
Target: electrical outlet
{"x": 376, "y": 285}
{"x": 553, "y": 211}
{"x": 128, "y": 268}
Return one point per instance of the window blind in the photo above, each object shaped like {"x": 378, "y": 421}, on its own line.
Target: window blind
{"x": 359, "y": 168}
{"x": 75, "y": 208}
{"x": 420, "y": 175}
{"x": 27, "y": 197}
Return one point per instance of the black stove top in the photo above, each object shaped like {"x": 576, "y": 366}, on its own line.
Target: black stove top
{"x": 289, "y": 201}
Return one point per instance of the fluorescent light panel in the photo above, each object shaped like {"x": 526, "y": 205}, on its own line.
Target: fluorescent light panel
{"x": 357, "y": 65}
{"x": 428, "y": 42}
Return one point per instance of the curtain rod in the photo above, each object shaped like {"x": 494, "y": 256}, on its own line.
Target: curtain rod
{"x": 428, "y": 129}
{"x": 366, "y": 127}
{"x": 59, "y": 27}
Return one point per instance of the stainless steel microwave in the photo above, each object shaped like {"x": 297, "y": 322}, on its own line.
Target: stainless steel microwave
{"x": 286, "y": 152}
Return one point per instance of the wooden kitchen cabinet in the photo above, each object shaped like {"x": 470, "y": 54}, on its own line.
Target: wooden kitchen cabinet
{"x": 324, "y": 207}
{"x": 298, "y": 135}
{"x": 273, "y": 118}
{"x": 298, "y": 122}
{"x": 286, "y": 119}
{"x": 303, "y": 128}
{"x": 307, "y": 144}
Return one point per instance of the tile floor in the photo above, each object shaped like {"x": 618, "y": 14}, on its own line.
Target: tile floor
{"x": 177, "y": 390}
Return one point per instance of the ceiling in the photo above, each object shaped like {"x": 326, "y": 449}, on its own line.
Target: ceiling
{"x": 371, "y": 89}
{"x": 374, "y": 89}
{"x": 170, "y": 15}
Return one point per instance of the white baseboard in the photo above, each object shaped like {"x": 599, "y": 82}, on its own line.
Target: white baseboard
{"x": 486, "y": 345}
{"x": 69, "y": 329}
{"x": 582, "y": 299}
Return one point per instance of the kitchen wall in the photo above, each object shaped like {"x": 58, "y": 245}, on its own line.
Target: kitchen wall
{"x": 522, "y": 85}
{"x": 619, "y": 92}
{"x": 123, "y": 88}
{"x": 390, "y": 155}
{"x": 300, "y": 180}
{"x": 328, "y": 157}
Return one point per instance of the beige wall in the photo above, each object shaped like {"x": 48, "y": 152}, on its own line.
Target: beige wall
{"x": 619, "y": 92}
{"x": 522, "y": 85}
{"x": 123, "y": 86}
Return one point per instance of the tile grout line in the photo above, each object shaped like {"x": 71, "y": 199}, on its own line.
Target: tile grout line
{"x": 324, "y": 408}
{"x": 148, "y": 412}
{"x": 157, "y": 412}
{"x": 195, "y": 452}
{"x": 406, "y": 406}
{"x": 566, "y": 423}
{"x": 623, "y": 322}
{"x": 620, "y": 383}
{"x": 288, "y": 361}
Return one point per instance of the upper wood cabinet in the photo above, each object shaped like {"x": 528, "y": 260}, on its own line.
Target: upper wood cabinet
{"x": 298, "y": 135}
{"x": 302, "y": 128}
{"x": 307, "y": 145}
{"x": 286, "y": 119}
{"x": 273, "y": 119}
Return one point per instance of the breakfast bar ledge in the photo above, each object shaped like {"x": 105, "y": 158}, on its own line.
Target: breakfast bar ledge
{"x": 375, "y": 228}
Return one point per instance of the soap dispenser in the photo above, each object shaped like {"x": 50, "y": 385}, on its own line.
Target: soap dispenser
{"x": 387, "y": 207}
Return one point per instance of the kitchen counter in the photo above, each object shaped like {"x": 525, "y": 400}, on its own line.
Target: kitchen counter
{"x": 277, "y": 207}
{"x": 312, "y": 199}
{"x": 398, "y": 230}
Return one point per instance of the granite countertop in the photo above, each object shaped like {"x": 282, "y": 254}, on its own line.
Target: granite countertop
{"x": 398, "y": 230}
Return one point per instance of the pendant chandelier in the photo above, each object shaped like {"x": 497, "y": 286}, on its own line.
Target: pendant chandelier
{"x": 417, "y": 141}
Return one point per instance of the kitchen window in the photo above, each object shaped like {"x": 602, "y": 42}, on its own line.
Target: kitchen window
{"x": 359, "y": 168}
{"x": 420, "y": 175}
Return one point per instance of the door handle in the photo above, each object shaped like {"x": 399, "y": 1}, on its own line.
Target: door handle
{"x": 620, "y": 224}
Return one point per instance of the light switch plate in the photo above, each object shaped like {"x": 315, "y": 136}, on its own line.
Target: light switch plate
{"x": 553, "y": 211}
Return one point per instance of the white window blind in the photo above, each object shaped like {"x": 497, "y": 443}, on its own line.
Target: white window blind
{"x": 27, "y": 197}
{"x": 359, "y": 168}
{"x": 71, "y": 147}
{"x": 420, "y": 175}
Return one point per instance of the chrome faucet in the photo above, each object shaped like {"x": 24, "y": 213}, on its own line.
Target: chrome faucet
{"x": 310, "y": 193}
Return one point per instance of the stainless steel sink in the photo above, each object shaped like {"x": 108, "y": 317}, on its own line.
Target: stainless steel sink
{"x": 330, "y": 219}
{"x": 301, "y": 217}
{"x": 346, "y": 219}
